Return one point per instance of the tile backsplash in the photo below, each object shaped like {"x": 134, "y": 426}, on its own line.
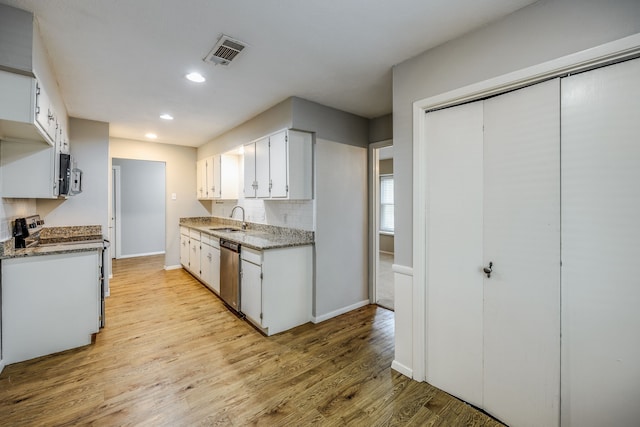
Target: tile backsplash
{"x": 11, "y": 209}
{"x": 282, "y": 213}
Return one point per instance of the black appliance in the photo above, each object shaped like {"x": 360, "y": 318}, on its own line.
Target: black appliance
{"x": 20, "y": 232}
{"x": 65, "y": 174}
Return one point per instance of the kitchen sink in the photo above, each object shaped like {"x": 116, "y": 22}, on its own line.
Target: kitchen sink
{"x": 227, "y": 230}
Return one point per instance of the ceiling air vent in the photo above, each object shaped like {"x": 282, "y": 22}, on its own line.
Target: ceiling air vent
{"x": 224, "y": 51}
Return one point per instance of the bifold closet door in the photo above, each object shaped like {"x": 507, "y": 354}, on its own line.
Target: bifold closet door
{"x": 494, "y": 196}
{"x": 454, "y": 236}
{"x": 601, "y": 247}
{"x": 522, "y": 241}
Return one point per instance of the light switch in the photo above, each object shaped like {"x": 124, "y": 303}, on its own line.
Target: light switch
{"x": 173, "y": 196}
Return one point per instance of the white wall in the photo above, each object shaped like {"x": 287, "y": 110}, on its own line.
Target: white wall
{"x": 142, "y": 207}
{"x": 181, "y": 179}
{"x": 341, "y": 229}
{"x": 543, "y": 31}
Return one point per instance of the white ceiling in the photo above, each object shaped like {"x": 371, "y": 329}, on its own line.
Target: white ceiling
{"x": 124, "y": 61}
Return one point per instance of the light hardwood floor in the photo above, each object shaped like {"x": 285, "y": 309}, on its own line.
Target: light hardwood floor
{"x": 173, "y": 355}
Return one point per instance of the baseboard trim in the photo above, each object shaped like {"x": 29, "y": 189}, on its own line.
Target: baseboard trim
{"x": 172, "y": 267}
{"x": 335, "y": 313}
{"x": 1, "y": 366}
{"x": 141, "y": 255}
{"x": 400, "y": 368}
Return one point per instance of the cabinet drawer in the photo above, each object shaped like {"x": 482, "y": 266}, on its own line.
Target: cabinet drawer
{"x": 184, "y": 230}
{"x": 205, "y": 239}
{"x": 214, "y": 242}
{"x": 251, "y": 255}
{"x": 194, "y": 234}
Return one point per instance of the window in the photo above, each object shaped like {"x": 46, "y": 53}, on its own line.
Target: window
{"x": 386, "y": 203}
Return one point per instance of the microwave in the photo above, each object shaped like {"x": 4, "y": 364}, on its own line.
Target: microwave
{"x": 70, "y": 178}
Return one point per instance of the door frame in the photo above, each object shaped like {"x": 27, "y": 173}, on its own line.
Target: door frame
{"x": 374, "y": 214}
{"x": 605, "y": 54}
{"x": 116, "y": 211}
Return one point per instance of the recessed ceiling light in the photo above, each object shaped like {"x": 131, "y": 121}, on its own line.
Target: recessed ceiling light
{"x": 166, "y": 116}
{"x": 151, "y": 135}
{"x": 195, "y": 77}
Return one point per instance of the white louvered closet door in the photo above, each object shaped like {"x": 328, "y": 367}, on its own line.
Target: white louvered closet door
{"x": 601, "y": 247}
{"x": 522, "y": 240}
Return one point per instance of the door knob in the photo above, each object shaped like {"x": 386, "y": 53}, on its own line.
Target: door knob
{"x": 488, "y": 270}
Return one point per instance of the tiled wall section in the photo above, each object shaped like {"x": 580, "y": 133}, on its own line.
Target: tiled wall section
{"x": 11, "y": 209}
{"x": 282, "y": 213}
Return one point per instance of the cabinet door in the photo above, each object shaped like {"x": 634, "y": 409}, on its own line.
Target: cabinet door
{"x": 201, "y": 179}
{"x": 194, "y": 257}
{"x": 214, "y": 179}
{"x": 206, "y": 264}
{"x": 262, "y": 168}
{"x": 184, "y": 250}
{"x": 44, "y": 115}
{"x": 251, "y": 291}
{"x": 215, "y": 269}
{"x": 250, "y": 170}
{"x": 278, "y": 165}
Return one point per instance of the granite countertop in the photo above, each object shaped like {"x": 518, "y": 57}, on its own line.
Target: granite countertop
{"x": 58, "y": 240}
{"x": 259, "y": 237}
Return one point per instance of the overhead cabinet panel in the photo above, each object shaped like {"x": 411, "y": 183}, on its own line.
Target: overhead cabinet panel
{"x": 280, "y": 166}
{"x": 262, "y": 180}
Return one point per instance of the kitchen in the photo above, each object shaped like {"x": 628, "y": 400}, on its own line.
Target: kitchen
{"x": 98, "y": 148}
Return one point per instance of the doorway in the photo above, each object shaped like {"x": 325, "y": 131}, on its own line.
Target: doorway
{"x": 383, "y": 224}
{"x": 138, "y": 208}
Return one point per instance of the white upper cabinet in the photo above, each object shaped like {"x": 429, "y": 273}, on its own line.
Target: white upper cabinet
{"x": 31, "y": 107}
{"x": 217, "y": 177}
{"x": 279, "y": 166}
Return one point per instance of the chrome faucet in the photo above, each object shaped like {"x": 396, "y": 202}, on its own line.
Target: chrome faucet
{"x": 244, "y": 224}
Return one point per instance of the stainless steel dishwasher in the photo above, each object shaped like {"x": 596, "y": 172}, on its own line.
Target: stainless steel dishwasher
{"x": 230, "y": 273}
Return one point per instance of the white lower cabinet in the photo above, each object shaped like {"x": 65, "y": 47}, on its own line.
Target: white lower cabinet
{"x": 194, "y": 252}
{"x": 276, "y": 292}
{"x": 210, "y": 262}
{"x": 184, "y": 247}
{"x": 47, "y": 309}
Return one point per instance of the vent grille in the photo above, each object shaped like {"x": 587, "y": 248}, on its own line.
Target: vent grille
{"x": 225, "y": 51}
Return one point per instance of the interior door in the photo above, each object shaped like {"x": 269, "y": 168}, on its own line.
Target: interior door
{"x": 522, "y": 241}
{"x": 454, "y": 235}
{"x": 601, "y": 247}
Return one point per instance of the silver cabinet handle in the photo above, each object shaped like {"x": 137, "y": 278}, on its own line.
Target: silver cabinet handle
{"x": 488, "y": 270}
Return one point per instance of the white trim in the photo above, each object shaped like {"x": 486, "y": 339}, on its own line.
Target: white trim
{"x": 374, "y": 214}
{"x": 402, "y": 269}
{"x": 600, "y": 55}
{"x": 118, "y": 209}
{"x": 173, "y": 267}
{"x": 141, "y": 255}
{"x": 327, "y": 316}
{"x": 1, "y": 366}
{"x": 404, "y": 370}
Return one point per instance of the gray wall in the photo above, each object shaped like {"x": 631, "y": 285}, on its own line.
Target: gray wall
{"x": 293, "y": 113}
{"x": 89, "y": 141}
{"x": 142, "y": 206}
{"x": 381, "y": 128}
{"x": 180, "y": 178}
{"x": 16, "y": 40}
{"x": 541, "y": 32}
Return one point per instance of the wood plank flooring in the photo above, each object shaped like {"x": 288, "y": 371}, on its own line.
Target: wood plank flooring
{"x": 173, "y": 355}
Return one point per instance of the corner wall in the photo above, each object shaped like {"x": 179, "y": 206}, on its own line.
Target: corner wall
{"x": 180, "y": 179}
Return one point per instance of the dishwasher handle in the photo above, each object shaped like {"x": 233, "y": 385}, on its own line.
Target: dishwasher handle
{"x": 233, "y": 246}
